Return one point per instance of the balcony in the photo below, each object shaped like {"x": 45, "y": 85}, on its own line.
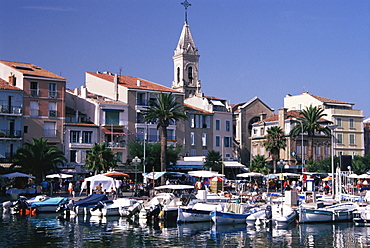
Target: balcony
{"x": 10, "y": 134}
{"x": 53, "y": 94}
{"x": 34, "y": 92}
{"x": 16, "y": 110}
{"x": 52, "y": 113}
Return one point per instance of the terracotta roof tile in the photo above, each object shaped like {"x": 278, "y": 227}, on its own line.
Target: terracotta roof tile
{"x": 131, "y": 83}
{"x": 291, "y": 114}
{"x": 190, "y": 108}
{"x": 324, "y": 99}
{"x": 30, "y": 69}
{"x": 4, "y": 85}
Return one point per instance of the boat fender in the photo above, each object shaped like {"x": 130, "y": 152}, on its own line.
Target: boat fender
{"x": 268, "y": 212}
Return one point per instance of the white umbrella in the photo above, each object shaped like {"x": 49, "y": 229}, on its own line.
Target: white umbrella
{"x": 354, "y": 176}
{"x": 63, "y": 176}
{"x": 250, "y": 174}
{"x": 364, "y": 176}
{"x": 205, "y": 173}
{"x": 17, "y": 174}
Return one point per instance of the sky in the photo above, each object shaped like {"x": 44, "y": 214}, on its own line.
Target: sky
{"x": 248, "y": 48}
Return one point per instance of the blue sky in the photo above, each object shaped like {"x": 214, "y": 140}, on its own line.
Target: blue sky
{"x": 264, "y": 48}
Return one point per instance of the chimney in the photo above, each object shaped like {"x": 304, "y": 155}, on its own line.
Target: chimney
{"x": 83, "y": 92}
{"x": 263, "y": 116}
{"x": 115, "y": 90}
{"x": 75, "y": 92}
{"x": 12, "y": 80}
{"x": 138, "y": 82}
{"x": 282, "y": 117}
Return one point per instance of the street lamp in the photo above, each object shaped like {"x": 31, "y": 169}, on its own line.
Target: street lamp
{"x": 332, "y": 128}
{"x": 136, "y": 160}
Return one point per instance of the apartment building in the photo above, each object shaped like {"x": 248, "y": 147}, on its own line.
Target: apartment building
{"x": 43, "y": 100}
{"x": 349, "y": 131}
{"x": 11, "y": 121}
{"x": 296, "y": 151}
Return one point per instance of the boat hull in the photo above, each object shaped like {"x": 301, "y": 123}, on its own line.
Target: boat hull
{"x": 322, "y": 215}
{"x": 193, "y": 215}
{"x": 228, "y": 218}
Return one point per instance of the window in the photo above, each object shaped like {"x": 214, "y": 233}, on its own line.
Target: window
{"x": 192, "y": 121}
{"x": 86, "y": 137}
{"x": 192, "y": 139}
{"x": 351, "y": 123}
{"x": 50, "y": 129}
{"x": 52, "y": 109}
{"x": 171, "y": 134}
{"x": 34, "y": 108}
{"x": 227, "y": 141}
{"x": 193, "y": 152}
{"x": 34, "y": 89}
{"x": 351, "y": 139}
{"x": 140, "y": 134}
{"x": 153, "y": 135}
{"x": 178, "y": 74}
{"x": 52, "y": 90}
{"x": 206, "y": 121}
{"x": 73, "y": 156}
{"x": 111, "y": 117}
{"x": 204, "y": 139}
{"x": 339, "y": 138}
{"x": 25, "y": 129}
{"x": 74, "y": 137}
{"x": 218, "y": 125}
{"x": 227, "y": 125}
{"x": 197, "y": 125}
{"x": 339, "y": 122}
{"x": 218, "y": 141}
{"x": 190, "y": 74}
{"x": 262, "y": 131}
{"x": 204, "y": 152}
{"x": 140, "y": 99}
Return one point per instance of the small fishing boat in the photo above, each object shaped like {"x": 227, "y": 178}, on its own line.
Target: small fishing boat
{"x": 233, "y": 213}
{"x": 49, "y": 205}
{"x": 116, "y": 207}
{"x": 282, "y": 214}
{"x": 200, "y": 212}
{"x": 337, "y": 212}
{"x": 361, "y": 217}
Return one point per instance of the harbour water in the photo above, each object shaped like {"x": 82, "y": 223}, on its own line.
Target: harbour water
{"x": 46, "y": 230}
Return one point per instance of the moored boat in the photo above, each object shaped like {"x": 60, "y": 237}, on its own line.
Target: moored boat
{"x": 337, "y": 212}
{"x": 49, "y": 205}
{"x": 361, "y": 217}
{"x": 233, "y": 213}
{"x": 200, "y": 212}
{"x": 282, "y": 214}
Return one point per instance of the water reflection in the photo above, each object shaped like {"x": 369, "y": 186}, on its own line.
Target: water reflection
{"x": 89, "y": 231}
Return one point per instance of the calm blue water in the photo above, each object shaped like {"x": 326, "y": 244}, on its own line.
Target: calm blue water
{"x": 45, "y": 230}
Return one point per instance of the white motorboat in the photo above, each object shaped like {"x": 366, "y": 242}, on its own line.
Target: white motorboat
{"x": 116, "y": 207}
{"x": 337, "y": 212}
{"x": 282, "y": 214}
{"x": 361, "y": 217}
{"x": 49, "y": 205}
{"x": 200, "y": 212}
{"x": 256, "y": 217}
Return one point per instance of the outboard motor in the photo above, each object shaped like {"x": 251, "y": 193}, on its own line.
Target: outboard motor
{"x": 268, "y": 212}
{"x": 21, "y": 204}
{"x": 154, "y": 212}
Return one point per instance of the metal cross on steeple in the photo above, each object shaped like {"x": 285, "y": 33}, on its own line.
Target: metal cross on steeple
{"x": 186, "y": 5}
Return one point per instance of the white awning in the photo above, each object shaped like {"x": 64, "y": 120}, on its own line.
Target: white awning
{"x": 233, "y": 164}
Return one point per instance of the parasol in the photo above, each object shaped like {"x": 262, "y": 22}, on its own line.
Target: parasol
{"x": 116, "y": 174}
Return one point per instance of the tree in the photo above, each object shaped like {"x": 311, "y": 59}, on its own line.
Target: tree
{"x": 275, "y": 140}
{"x": 213, "y": 160}
{"x": 259, "y": 164}
{"x": 164, "y": 110}
{"x": 38, "y": 158}
{"x": 153, "y": 153}
{"x": 311, "y": 126}
{"x": 100, "y": 159}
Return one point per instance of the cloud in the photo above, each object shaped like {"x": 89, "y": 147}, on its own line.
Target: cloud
{"x": 48, "y": 8}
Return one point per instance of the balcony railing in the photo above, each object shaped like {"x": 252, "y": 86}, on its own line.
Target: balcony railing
{"x": 12, "y": 110}
{"x": 10, "y": 133}
{"x": 116, "y": 144}
{"x": 34, "y": 92}
{"x": 53, "y": 94}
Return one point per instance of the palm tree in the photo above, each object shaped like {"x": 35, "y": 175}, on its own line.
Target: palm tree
{"x": 275, "y": 140}
{"x": 100, "y": 159}
{"x": 37, "y": 158}
{"x": 259, "y": 164}
{"x": 310, "y": 119}
{"x": 213, "y": 160}
{"x": 164, "y": 110}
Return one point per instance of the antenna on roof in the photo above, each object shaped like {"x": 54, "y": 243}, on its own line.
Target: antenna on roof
{"x": 305, "y": 89}
{"x": 120, "y": 71}
{"x": 186, "y": 5}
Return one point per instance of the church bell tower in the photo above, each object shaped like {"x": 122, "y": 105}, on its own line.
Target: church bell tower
{"x": 186, "y": 62}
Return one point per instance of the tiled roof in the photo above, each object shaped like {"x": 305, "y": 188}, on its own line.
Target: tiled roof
{"x": 213, "y": 98}
{"x": 131, "y": 82}
{"x": 4, "y": 85}
{"x": 30, "y": 69}
{"x": 291, "y": 114}
{"x": 98, "y": 98}
{"x": 190, "y": 108}
{"x": 328, "y": 100}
